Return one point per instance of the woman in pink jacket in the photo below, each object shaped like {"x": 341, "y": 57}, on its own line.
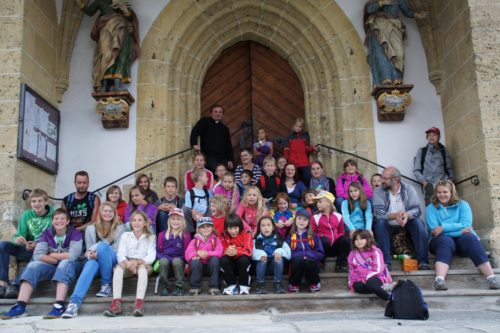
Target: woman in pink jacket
{"x": 203, "y": 255}
{"x": 367, "y": 271}
{"x": 350, "y": 174}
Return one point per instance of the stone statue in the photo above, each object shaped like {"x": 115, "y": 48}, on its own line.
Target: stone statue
{"x": 385, "y": 33}
{"x": 116, "y": 32}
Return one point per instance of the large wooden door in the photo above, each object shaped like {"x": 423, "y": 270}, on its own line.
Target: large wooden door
{"x": 257, "y": 88}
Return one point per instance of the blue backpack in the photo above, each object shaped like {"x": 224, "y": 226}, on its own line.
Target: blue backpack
{"x": 407, "y": 302}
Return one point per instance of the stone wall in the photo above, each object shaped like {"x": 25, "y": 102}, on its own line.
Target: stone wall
{"x": 466, "y": 38}
{"x": 316, "y": 38}
{"x": 27, "y": 44}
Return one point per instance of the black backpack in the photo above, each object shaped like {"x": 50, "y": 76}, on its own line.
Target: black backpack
{"x": 407, "y": 302}
{"x": 194, "y": 196}
{"x": 443, "y": 154}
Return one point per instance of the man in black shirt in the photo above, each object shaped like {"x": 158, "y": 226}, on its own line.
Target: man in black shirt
{"x": 215, "y": 141}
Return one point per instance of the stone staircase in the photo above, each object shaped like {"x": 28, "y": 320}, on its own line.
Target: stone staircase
{"x": 467, "y": 288}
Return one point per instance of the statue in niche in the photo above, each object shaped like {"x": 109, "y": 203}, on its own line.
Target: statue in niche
{"x": 116, "y": 32}
{"x": 385, "y": 34}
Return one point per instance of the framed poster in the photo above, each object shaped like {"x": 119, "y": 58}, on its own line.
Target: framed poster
{"x": 38, "y": 136}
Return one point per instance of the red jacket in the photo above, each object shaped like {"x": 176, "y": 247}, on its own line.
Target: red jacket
{"x": 331, "y": 228}
{"x": 297, "y": 149}
{"x": 243, "y": 242}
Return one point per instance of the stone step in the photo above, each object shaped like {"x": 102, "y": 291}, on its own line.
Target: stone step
{"x": 455, "y": 299}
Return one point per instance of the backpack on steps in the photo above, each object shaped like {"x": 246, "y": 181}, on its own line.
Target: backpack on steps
{"x": 407, "y": 302}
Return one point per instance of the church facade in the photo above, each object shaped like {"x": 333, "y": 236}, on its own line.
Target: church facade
{"x": 451, "y": 58}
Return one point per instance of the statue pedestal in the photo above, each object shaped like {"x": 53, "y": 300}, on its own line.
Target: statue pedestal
{"x": 114, "y": 108}
{"x": 392, "y": 101}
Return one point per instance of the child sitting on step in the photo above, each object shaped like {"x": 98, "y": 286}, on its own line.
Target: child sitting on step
{"x": 252, "y": 208}
{"x": 269, "y": 253}
{"x": 229, "y": 189}
{"x": 136, "y": 253}
{"x": 367, "y": 271}
{"x": 237, "y": 247}
{"x": 219, "y": 208}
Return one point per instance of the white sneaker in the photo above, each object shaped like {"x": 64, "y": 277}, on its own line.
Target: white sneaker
{"x": 231, "y": 290}
{"x": 71, "y": 311}
{"x": 244, "y": 290}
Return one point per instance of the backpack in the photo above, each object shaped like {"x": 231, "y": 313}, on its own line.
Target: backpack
{"x": 194, "y": 196}
{"x": 443, "y": 153}
{"x": 407, "y": 302}
{"x": 197, "y": 244}
{"x": 262, "y": 180}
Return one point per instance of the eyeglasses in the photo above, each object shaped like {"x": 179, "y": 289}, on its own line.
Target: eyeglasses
{"x": 388, "y": 178}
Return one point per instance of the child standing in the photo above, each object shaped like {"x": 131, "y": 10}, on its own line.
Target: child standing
{"x": 229, "y": 189}
{"x": 269, "y": 253}
{"x": 357, "y": 210}
{"x": 237, "y": 249}
{"x": 56, "y": 257}
{"x": 307, "y": 253}
{"x": 297, "y": 150}
{"x": 269, "y": 184}
{"x": 262, "y": 148}
{"x": 172, "y": 245}
{"x": 350, "y": 174}
{"x": 282, "y": 215}
{"x": 138, "y": 202}
{"x": 329, "y": 226}
{"x": 136, "y": 253}
{"x": 367, "y": 272}
{"x": 169, "y": 201}
{"x": 197, "y": 200}
{"x": 203, "y": 255}
{"x": 32, "y": 224}
{"x": 101, "y": 239}
{"x": 252, "y": 208}
{"x": 199, "y": 161}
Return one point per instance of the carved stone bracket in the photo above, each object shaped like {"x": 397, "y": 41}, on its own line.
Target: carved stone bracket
{"x": 114, "y": 108}
{"x": 392, "y": 101}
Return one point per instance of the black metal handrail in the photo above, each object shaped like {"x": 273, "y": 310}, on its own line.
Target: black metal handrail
{"x": 473, "y": 179}
{"x": 26, "y": 192}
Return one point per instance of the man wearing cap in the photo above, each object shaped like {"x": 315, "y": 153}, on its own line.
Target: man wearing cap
{"x": 432, "y": 163}
{"x": 396, "y": 204}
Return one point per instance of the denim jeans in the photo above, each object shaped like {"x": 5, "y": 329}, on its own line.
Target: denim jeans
{"x": 269, "y": 267}
{"x": 198, "y": 269}
{"x": 64, "y": 272}
{"x": 103, "y": 266}
{"x": 466, "y": 245}
{"x": 8, "y": 249}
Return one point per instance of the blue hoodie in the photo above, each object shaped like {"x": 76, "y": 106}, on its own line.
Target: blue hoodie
{"x": 452, "y": 218}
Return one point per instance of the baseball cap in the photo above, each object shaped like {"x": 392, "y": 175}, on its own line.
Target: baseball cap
{"x": 303, "y": 212}
{"x": 433, "y": 130}
{"x": 204, "y": 220}
{"x": 325, "y": 194}
{"x": 176, "y": 211}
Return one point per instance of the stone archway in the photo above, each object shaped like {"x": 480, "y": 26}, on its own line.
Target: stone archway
{"x": 316, "y": 38}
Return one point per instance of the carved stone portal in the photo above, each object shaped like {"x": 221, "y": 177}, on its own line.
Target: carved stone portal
{"x": 392, "y": 101}
{"x": 114, "y": 108}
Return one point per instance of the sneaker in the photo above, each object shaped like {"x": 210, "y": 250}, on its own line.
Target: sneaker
{"x": 114, "y": 309}
{"x": 244, "y": 290}
{"x": 164, "y": 290}
{"x": 71, "y": 311}
{"x": 315, "y": 288}
{"x": 340, "y": 269}
{"x": 214, "y": 292}
{"x": 106, "y": 291}
{"x": 56, "y": 312}
{"x": 178, "y": 291}
{"x": 439, "y": 284}
{"x": 138, "y": 308}
{"x": 231, "y": 290}
{"x": 424, "y": 267}
{"x": 261, "y": 288}
{"x": 16, "y": 311}
{"x": 493, "y": 283}
{"x": 278, "y": 288}
{"x": 293, "y": 288}
{"x": 194, "y": 292}
{"x": 12, "y": 291}
{"x": 3, "y": 289}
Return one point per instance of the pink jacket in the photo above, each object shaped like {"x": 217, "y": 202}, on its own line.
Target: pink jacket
{"x": 331, "y": 227}
{"x": 249, "y": 215}
{"x": 342, "y": 186}
{"x": 364, "y": 265}
{"x": 219, "y": 190}
{"x": 213, "y": 246}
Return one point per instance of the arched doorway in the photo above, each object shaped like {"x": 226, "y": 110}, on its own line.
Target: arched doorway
{"x": 257, "y": 88}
